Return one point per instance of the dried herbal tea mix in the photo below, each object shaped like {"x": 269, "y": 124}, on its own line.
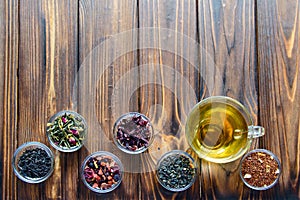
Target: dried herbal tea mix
{"x": 34, "y": 163}
{"x": 102, "y": 172}
{"x": 260, "y": 169}
{"x": 66, "y": 131}
{"x": 133, "y": 132}
{"x": 176, "y": 171}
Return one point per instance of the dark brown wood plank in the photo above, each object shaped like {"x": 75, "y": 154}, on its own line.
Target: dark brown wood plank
{"x": 279, "y": 64}
{"x": 8, "y": 95}
{"x": 151, "y": 70}
{"x": 169, "y": 79}
{"x": 107, "y": 55}
{"x": 227, "y": 34}
{"x": 2, "y": 80}
{"x": 47, "y": 68}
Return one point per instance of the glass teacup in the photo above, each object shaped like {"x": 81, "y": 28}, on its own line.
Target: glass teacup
{"x": 220, "y": 129}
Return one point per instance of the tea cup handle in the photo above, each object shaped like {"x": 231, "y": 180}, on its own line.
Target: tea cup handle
{"x": 256, "y": 131}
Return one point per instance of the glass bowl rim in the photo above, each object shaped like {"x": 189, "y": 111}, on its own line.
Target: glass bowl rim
{"x": 61, "y": 113}
{"x": 172, "y": 152}
{"x": 269, "y": 153}
{"x": 237, "y": 105}
{"x": 225, "y": 99}
{"x": 141, "y": 150}
{"x": 102, "y": 153}
{"x": 21, "y": 149}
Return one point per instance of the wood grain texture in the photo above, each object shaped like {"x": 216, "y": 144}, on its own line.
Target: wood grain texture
{"x": 2, "y": 80}
{"x": 227, "y": 34}
{"x": 107, "y": 56}
{"x": 9, "y": 86}
{"x": 279, "y": 64}
{"x": 169, "y": 75}
{"x": 104, "y": 58}
{"x": 47, "y": 68}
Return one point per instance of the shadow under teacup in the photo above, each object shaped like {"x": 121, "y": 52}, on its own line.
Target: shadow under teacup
{"x": 220, "y": 129}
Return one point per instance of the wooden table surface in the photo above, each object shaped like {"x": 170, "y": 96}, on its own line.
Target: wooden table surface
{"x": 103, "y": 58}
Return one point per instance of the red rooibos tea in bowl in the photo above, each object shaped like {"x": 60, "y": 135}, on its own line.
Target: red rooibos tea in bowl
{"x": 260, "y": 169}
{"x": 133, "y": 133}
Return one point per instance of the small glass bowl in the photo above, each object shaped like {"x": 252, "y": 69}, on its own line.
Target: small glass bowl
{"x": 94, "y": 173}
{"x": 168, "y": 158}
{"x": 30, "y": 146}
{"x": 134, "y": 149}
{"x": 73, "y": 136}
{"x": 264, "y": 152}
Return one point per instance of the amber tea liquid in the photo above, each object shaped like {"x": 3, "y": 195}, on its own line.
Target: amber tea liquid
{"x": 217, "y": 130}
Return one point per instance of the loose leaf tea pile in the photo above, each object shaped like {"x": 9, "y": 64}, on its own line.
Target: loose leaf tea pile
{"x": 102, "y": 172}
{"x": 34, "y": 163}
{"x": 260, "y": 169}
{"x": 176, "y": 171}
{"x": 133, "y": 132}
{"x": 66, "y": 131}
